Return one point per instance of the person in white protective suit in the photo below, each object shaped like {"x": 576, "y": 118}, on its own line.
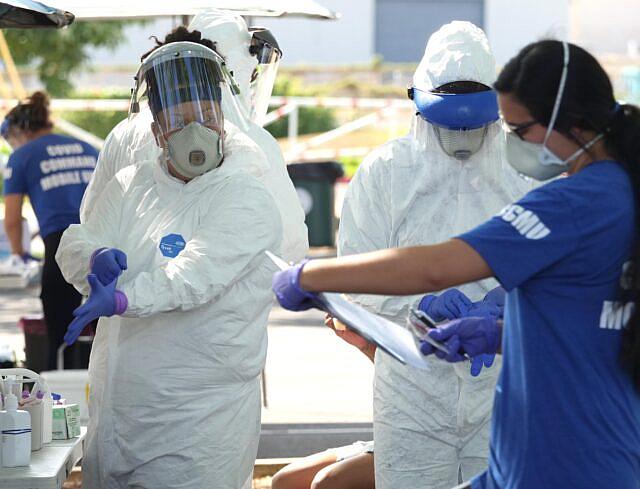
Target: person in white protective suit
{"x": 253, "y": 60}
{"x": 174, "y": 253}
{"x": 447, "y": 176}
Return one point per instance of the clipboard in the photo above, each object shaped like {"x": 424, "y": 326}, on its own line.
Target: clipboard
{"x": 395, "y": 340}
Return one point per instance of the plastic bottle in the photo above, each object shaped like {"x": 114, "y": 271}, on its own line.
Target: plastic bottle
{"x": 47, "y": 418}
{"x": 35, "y": 410}
{"x": 15, "y": 426}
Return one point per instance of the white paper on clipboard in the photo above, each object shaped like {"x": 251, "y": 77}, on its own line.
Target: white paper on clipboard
{"x": 397, "y": 341}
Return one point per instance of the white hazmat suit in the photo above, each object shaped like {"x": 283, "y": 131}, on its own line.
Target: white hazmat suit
{"x": 429, "y": 425}
{"x": 175, "y": 395}
{"x": 131, "y": 141}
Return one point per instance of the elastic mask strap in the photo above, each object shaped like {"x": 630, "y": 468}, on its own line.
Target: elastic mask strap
{"x": 563, "y": 80}
{"x": 166, "y": 151}
{"x": 579, "y": 151}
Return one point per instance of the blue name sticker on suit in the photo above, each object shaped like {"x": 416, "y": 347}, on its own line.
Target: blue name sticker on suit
{"x": 171, "y": 245}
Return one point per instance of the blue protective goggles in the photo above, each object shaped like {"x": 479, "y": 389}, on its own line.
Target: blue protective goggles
{"x": 456, "y": 111}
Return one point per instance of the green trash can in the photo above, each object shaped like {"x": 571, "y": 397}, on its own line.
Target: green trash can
{"x": 314, "y": 183}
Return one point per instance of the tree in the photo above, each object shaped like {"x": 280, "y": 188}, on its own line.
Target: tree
{"x": 58, "y": 53}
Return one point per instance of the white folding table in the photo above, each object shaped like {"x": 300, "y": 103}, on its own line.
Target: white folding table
{"x": 50, "y": 466}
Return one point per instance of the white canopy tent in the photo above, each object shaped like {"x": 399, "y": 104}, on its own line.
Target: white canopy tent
{"x": 28, "y": 14}
{"x": 128, "y": 9}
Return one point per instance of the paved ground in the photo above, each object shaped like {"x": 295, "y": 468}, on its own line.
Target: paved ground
{"x": 319, "y": 389}
{"x": 313, "y": 376}
{"x": 13, "y": 305}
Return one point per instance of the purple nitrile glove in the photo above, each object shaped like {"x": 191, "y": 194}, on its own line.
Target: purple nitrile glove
{"x": 489, "y": 309}
{"x": 451, "y": 304}
{"x": 485, "y": 360}
{"x": 104, "y": 300}
{"x": 496, "y": 297}
{"x": 286, "y": 286}
{"x": 484, "y": 310}
{"x": 472, "y": 335}
{"x": 107, "y": 264}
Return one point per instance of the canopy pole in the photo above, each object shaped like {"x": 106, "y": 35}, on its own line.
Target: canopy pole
{"x": 12, "y": 71}
{"x": 5, "y": 90}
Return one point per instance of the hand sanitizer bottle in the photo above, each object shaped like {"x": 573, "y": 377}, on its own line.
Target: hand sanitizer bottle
{"x": 15, "y": 427}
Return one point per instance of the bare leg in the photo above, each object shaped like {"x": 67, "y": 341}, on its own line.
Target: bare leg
{"x": 300, "y": 474}
{"x": 353, "y": 473}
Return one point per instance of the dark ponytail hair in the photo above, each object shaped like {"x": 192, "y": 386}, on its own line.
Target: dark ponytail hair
{"x": 32, "y": 114}
{"x": 588, "y": 103}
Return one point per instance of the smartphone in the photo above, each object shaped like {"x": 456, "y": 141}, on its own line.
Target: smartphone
{"x": 420, "y": 324}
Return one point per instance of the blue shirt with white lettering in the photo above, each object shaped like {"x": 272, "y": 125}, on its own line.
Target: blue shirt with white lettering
{"x": 54, "y": 171}
{"x": 565, "y": 412}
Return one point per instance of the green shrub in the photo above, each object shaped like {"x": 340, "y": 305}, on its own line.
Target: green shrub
{"x": 98, "y": 123}
{"x": 310, "y": 119}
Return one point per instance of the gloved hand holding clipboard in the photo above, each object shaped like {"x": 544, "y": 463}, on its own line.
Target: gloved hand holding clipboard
{"x": 399, "y": 342}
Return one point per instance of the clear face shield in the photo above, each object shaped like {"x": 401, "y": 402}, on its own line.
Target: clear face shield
{"x": 265, "y": 48}
{"x": 459, "y": 120}
{"x": 185, "y": 82}
{"x": 184, "y": 85}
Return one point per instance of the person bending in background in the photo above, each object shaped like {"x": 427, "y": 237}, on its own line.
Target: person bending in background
{"x": 53, "y": 171}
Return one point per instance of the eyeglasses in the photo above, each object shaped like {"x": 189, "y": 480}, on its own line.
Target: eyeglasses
{"x": 518, "y": 129}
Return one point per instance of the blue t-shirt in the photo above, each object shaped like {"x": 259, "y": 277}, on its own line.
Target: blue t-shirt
{"x": 54, "y": 171}
{"x": 565, "y": 413}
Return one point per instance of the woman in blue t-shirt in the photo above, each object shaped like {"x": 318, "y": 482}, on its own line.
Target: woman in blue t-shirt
{"x": 54, "y": 171}
{"x": 567, "y": 406}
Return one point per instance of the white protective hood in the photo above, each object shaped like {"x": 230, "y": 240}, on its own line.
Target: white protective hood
{"x": 232, "y": 38}
{"x": 457, "y": 51}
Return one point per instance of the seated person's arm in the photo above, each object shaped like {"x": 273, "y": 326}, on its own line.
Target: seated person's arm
{"x": 351, "y": 337}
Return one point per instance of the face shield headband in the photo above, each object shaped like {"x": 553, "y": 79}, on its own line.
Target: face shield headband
{"x": 265, "y": 48}
{"x": 264, "y": 45}
{"x": 456, "y": 111}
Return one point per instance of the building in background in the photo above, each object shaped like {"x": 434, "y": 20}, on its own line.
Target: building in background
{"x": 512, "y": 24}
{"x": 395, "y": 31}
{"x": 402, "y": 27}
{"x": 348, "y": 40}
